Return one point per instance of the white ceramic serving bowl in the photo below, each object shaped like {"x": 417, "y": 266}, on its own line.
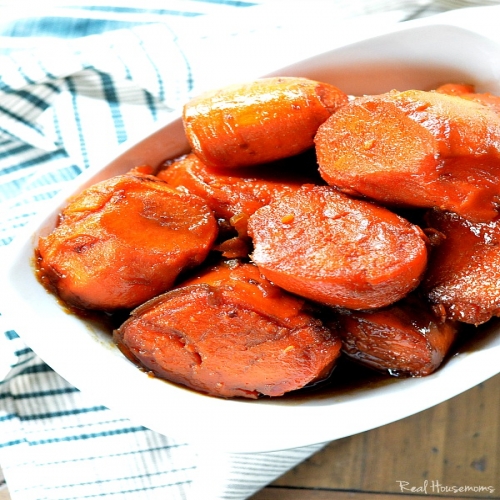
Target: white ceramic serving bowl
{"x": 421, "y": 56}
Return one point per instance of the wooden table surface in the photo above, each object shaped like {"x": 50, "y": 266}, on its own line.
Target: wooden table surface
{"x": 451, "y": 451}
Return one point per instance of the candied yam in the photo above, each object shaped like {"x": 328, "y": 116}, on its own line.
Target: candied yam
{"x": 403, "y": 339}
{"x": 466, "y": 91}
{"x": 230, "y": 333}
{"x": 463, "y": 276}
{"x": 258, "y": 122}
{"x": 439, "y": 150}
{"x": 330, "y": 248}
{"x": 123, "y": 241}
{"x": 230, "y": 192}
{"x": 456, "y": 88}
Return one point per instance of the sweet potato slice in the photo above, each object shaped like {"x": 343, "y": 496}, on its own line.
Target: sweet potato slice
{"x": 235, "y": 194}
{"x": 404, "y": 339}
{"x": 325, "y": 246}
{"x": 230, "y": 333}
{"x": 463, "y": 277}
{"x": 466, "y": 91}
{"x": 258, "y": 122}
{"x": 123, "y": 241}
{"x": 230, "y": 192}
{"x": 415, "y": 149}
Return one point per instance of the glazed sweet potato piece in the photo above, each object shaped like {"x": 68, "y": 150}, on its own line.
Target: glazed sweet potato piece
{"x": 230, "y": 333}
{"x": 404, "y": 339}
{"x": 415, "y": 149}
{"x": 258, "y": 122}
{"x": 466, "y": 91}
{"x": 463, "y": 277}
{"x": 235, "y": 194}
{"x": 230, "y": 192}
{"x": 330, "y": 248}
{"x": 123, "y": 241}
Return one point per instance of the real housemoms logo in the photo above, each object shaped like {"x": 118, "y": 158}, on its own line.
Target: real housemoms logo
{"x": 437, "y": 487}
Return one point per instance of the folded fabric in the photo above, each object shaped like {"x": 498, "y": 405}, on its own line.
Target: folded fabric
{"x": 73, "y": 88}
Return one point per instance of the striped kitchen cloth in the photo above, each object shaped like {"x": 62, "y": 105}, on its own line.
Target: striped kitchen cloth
{"x": 77, "y": 80}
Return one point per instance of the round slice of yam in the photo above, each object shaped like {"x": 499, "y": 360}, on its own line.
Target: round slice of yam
{"x": 230, "y": 333}
{"x": 333, "y": 249}
{"x": 463, "y": 276}
{"x": 415, "y": 149}
{"x": 124, "y": 240}
{"x": 405, "y": 339}
{"x": 259, "y": 121}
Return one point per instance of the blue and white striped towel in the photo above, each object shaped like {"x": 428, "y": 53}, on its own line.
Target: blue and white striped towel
{"x": 75, "y": 82}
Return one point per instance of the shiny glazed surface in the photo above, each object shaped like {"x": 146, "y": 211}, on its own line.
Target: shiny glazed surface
{"x": 334, "y": 249}
{"x": 464, "y": 272}
{"x": 229, "y": 332}
{"x": 248, "y": 124}
{"x": 439, "y": 150}
{"x": 123, "y": 241}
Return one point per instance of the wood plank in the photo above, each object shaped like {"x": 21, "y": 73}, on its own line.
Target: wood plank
{"x": 455, "y": 444}
{"x": 308, "y": 494}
